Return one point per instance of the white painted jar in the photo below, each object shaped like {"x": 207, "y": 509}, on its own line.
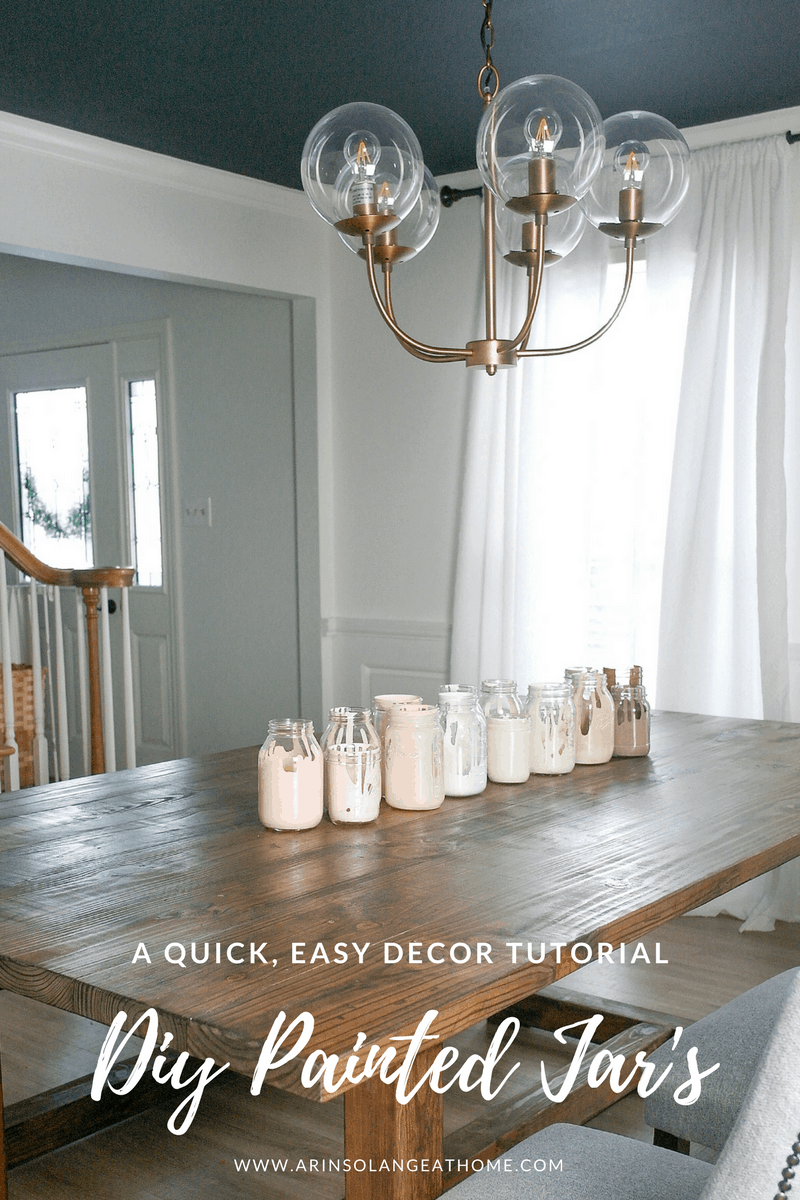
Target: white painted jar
{"x": 552, "y": 713}
{"x": 414, "y": 757}
{"x": 290, "y": 770}
{"x": 508, "y": 730}
{"x": 509, "y": 749}
{"x": 465, "y": 740}
{"x": 594, "y": 717}
{"x": 380, "y": 715}
{"x": 352, "y": 752}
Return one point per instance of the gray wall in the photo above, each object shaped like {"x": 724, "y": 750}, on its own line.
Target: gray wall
{"x": 234, "y": 436}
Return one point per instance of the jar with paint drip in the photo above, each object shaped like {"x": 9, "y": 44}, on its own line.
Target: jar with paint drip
{"x": 631, "y": 715}
{"x": 290, "y": 776}
{"x": 465, "y": 740}
{"x": 552, "y": 713}
{"x": 352, "y": 751}
{"x": 594, "y": 716}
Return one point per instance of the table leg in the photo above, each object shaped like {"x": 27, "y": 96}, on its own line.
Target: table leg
{"x": 3, "y": 1177}
{"x": 378, "y": 1130}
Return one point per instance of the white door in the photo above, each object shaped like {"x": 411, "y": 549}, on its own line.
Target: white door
{"x": 106, "y": 402}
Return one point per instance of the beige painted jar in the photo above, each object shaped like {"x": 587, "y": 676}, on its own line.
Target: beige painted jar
{"x": 290, "y": 776}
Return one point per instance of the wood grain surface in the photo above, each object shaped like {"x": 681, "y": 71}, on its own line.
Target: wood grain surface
{"x": 175, "y": 853}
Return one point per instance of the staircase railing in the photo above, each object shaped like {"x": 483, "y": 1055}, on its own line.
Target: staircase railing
{"x": 93, "y": 667}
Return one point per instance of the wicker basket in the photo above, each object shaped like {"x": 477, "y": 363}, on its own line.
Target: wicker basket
{"x": 24, "y": 727}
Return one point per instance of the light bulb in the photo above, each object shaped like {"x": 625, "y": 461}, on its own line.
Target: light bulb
{"x": 644, "y": 178}
{"x": 362, "y": 151}
{"x": 543, "y": 130}
{"x": 348, "y": 157}
{"x": 411, "y": 235}
{"x": 630, "y": 161}
{"x": 540, "y": 135}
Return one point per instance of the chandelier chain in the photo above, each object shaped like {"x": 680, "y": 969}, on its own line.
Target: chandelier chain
{"x": 488, "y": 78}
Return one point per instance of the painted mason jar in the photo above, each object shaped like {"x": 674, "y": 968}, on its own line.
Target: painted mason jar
{"x": 508, "y": 731}
{"x": 552, "y": 713}
{"x": 465, "y": 740}
{"x": 631, "y": 715}
{"x": 594, "y": 716}
{"x": 380, "y": 715}
{"x": 413, "y": 752}
{"x": 352, "y": 752}
{"x": 290, "y": 770}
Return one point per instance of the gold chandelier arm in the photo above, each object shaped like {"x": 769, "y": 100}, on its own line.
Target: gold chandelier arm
{"x": 534, "y": 291}
{"x": 538, "y": 353}
{"x": 387, "y": 290}
{"x": 432, "y": 353}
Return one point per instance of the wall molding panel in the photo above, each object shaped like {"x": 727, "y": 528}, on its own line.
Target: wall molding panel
{"x": 369, "y": 657}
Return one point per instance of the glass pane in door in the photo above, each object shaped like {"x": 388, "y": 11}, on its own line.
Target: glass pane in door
{"x": 53, "y": 457}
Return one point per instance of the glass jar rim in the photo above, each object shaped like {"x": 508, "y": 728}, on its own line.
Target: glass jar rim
{"x": 499, "y": 685}
{"x": 343, "y": 711}
{"x": 406, "y": 713}
{"x": 390, "y": 699}
{"x": 290, "y": 725}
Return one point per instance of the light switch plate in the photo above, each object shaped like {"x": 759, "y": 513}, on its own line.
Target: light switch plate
{"x": 197, "y": 512}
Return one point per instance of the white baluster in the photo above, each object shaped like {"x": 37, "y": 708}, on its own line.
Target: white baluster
{"x": 127, "y": 681}
{"x": 109, "y": 743}
{"x": 40, "y": 772}
{"x": 61, "y": 688}
{"x": 83, "y": 683}
{"x": 10, "y": 764}
{"x": 47, "y": 595}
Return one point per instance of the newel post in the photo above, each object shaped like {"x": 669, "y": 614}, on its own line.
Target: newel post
{"x": 91, "y": 598}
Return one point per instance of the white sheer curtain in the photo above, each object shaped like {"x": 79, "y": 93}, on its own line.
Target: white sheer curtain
{"x": 568, "y": 514}
{"x": 724, "y": 612}
{"x": 567, "y": 478}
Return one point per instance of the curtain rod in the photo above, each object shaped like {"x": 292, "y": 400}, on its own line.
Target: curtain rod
{"x": 450, "y": 195}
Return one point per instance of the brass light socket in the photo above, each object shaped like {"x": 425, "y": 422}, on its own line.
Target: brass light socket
{"x": 541, "y": 176}
{"x": 631, "y": 204}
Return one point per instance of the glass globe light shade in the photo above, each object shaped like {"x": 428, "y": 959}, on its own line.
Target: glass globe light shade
{"x": 647, "y": 153}
{"x": 540, "y": 117}
{"x": 361, "y": 154}
{"x": 414, "y": 231}
{"x": 562, "y": 233}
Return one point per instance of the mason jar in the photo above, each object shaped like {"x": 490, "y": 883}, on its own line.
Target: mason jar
{"x": 631, "y": 715}
{"x": 465, "y": 740}
{"x": 380, "y": 713}
{"x": 413, "y": 755}
{"x": 508, "y": 731}
{"x": 290, "y": 770}
{"x": 594, "y": 716}
{"x": 352, "y": 752}
{"x": 552, "y": 713}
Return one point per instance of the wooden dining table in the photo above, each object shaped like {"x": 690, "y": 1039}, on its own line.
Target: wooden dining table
{"x": 100, "y": 877}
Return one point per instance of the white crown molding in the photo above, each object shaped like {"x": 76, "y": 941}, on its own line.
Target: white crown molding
{"x": 84, "y": 150}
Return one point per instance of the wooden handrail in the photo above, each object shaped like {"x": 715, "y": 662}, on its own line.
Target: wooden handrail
{"x": 90, "y": 581}
{"x": 25, "y": 561}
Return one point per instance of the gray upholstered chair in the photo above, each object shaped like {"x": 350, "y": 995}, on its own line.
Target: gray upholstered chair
{"x": 735, "y": 1036}
{"x": 764, "y": 1145}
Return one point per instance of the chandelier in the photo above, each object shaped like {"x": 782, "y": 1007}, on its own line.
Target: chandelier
{"x": 549, "y": 164}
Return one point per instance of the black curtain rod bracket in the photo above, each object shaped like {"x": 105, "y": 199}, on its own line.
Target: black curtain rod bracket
{"x": 449, "y": 196}
{"x": 792, "y": 137}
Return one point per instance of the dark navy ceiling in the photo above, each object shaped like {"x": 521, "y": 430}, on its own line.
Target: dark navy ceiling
{"x": 237, "y": 84}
